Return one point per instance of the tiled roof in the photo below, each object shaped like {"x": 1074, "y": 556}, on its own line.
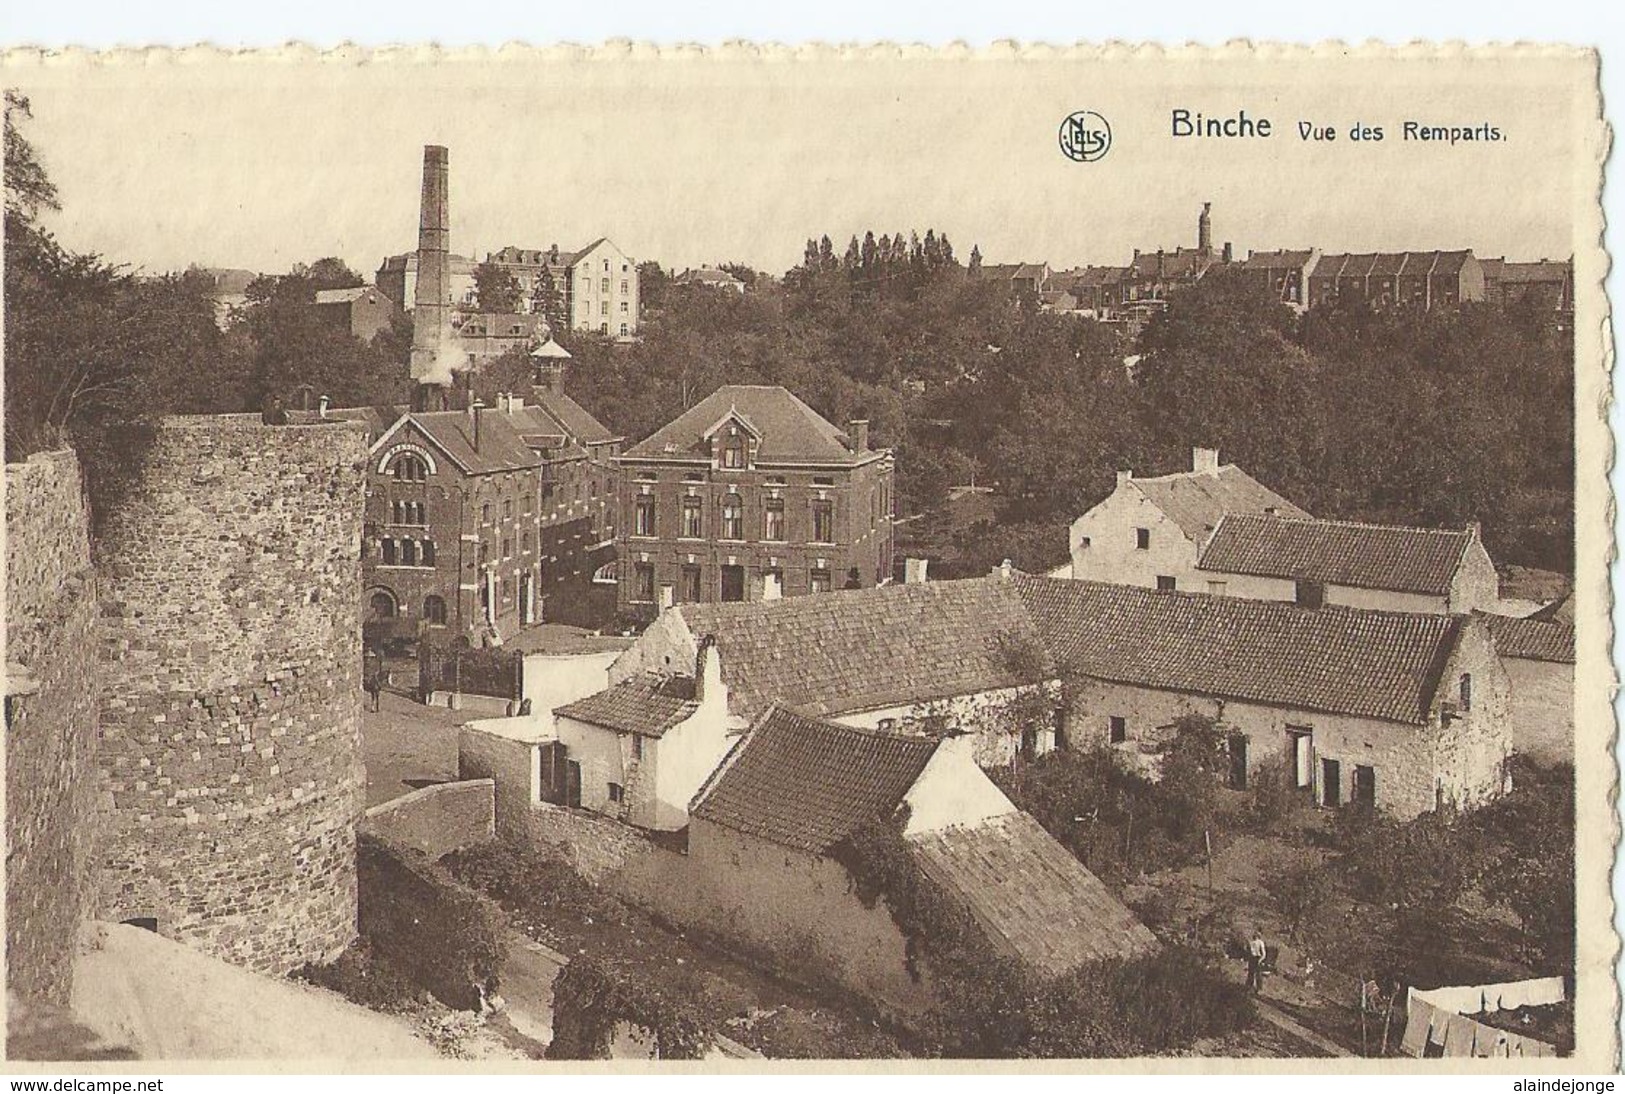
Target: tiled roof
{"x": 1532, "y": 639}
{"x": 791, "y": 430}
{"x": 1532, "y": 272}
{"x": 1090, "y": 276}
{"x": 501, "y": 447}
{"x": 1274, "y": 260}
{"x": 647, "y": 705}
{"x": 1178, "y": 263}
{"x": 1196, "y": 500}
{"x": 866, "y": 649}
{"x": 582, "y": 427}
{"x": 1367, "y": 556}
{"x": 1333, "y": 659}
{"x": 707, "y": 275}
{"x": 343, "y": 296}
{"x": 1029, "y": 894}
{"x": 1010, "y": 271}
{"x": 807, "y": 784}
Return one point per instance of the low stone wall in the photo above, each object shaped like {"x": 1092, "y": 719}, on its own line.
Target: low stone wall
{"x": 437, "y": 820}
{"x": 596, "y": 846}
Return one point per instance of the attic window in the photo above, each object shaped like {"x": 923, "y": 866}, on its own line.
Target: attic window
{"x": 1142, "y": 539}
{"x": 733, "y": 452}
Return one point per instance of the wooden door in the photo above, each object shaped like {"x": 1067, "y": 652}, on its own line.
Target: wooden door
{"x": 1331, "y": 782}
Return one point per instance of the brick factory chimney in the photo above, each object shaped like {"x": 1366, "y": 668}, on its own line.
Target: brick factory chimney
{"x": 1204, "y": 231}
{"x": 431, "y": 308}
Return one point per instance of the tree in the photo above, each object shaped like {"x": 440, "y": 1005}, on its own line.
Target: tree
{"x": 330, "y": 273}
{"x": 495, "y": 289}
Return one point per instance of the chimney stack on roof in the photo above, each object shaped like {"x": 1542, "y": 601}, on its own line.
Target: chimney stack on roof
{"x": 914, "y": 570}
{"x": 1229, "y": 252}
{"x": 1205, "y": 460}
{"x": 707, "y": 671}
{"x": 321, "y": 407}
{"x": 859, "y": 428}
{"x": 1124, "y": 477}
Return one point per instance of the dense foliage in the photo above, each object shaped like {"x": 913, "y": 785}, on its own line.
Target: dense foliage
{"x": 593, "y": 995}
{"x": 415, "y": 914}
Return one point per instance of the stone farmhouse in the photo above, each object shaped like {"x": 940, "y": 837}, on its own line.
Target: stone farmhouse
{"x": 1393, "y": 568}
{"x": 1400, "y": 710}
{"x": 1539, "y": 659}
{"x": 1150, "y": 531}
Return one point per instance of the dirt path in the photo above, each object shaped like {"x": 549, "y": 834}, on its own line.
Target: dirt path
{"x": 1280, "y": 1021}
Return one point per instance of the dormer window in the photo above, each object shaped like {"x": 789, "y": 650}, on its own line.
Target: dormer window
{"x": 733, "y": 452}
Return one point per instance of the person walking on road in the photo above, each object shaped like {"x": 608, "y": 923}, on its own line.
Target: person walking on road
{"x": 372, "y": 678}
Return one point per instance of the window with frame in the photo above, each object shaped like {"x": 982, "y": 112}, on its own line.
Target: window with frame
{"x": 507, "y": 546}
{"x": 1165, "y": 583}
{"x": 643, "y": 581}
{"x": 409, "y": 552}
{"x": 733, "y": 452}
{"x": 524, "y": 542}
{"x": 603, "y": 307}
{"x": 485, "y": 512}
{"x": 434, "y": 610}
{"x": 616, "y": 792}
{"x": 773, "y": 520}
{"x": 527, "y": 504}
{"x": 1116, "y": 730}
{"x": 1464, "y": 690}
{"x": 643, "y": 515}
{"x": 823, "y": 516}
{"x": 688, "y": 587}
{"x": 733, "y": 517}
{"x": 388, "y": 552}
{"x": 624, "y": 329}
{"x": 819, "y": 580}
{"x": 426, "y": 552}
{"x": 693, "y": 517}
{"x": 624, "y": 286}
{"x": 410, "y": 468}
{"x": 1142, "y": 539}
{"x": 507, "y": 508}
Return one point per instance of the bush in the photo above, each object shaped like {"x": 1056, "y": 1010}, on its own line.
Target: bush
{"x": 530, "y": 883}
{"x": 1275, "y": 796}
{"x": 591, "y": 996}
{"x": 365, "y": 977}
{"x": 1298, "y": 891}
{"x": 445, "y": 935}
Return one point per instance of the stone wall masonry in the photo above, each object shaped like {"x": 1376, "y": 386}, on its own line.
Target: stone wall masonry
{"x": 230, "y": 639}
{"x": 597, "y": 847}
{"x": 439, "y": 819}
{"x": 51, "y": 814}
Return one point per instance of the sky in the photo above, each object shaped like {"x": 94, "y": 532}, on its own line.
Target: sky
{"x": 261, "y": 163}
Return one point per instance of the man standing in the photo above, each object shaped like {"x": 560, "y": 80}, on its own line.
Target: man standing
{"x": 1256, "y": 953}
{"x": 372, "y": 677}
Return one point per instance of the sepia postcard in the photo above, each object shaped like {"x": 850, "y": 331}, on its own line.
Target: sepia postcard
{"x": 886, "y": 558}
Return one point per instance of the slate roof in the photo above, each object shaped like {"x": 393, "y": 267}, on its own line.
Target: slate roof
{"x": 866, "y": 649}
{"x": 1367, "y": 556}
{"x": 647, "y": 705}
{"x": 1090, "y": 276}
{"x": 501, "y": 446}
{"x": 582, "y": 427}
{"x": 1196, "y": 500}
{"x": 1332, "y": 659}
{"x": 1531, "y": 639}
{"x": 807, "y": 784}
{"x": 1178, "y": 263}
{"x": 792, "y": 431}
{"x": 707, "y": 275}
{"x": 1032, "y": 898}
{"x": 344, "y": 296}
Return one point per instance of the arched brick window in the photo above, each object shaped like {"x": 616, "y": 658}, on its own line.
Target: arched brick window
{"x": 410, "y": 468}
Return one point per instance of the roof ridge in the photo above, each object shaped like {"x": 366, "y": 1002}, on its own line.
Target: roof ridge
{"x": 1231, "y": 603}
{"x": 1343, "y": 523}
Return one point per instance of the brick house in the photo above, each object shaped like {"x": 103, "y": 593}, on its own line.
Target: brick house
{"x": 363, "y": 311}
{"x": 1539, "y": 659}
{"x": 1283, "y": 274}
{"x": 1382, "y": 566}
{"x": 1025, "y": 279}
{"x": 766, "y": 828}
{"x": 1098, "y": 290}
{"x": 1415, "y": 279}
{"x": 750, "y": 494}
{"x": 1150, "y": 531}
{"x": 577, "y": 505}
{"x": 1401, "y": 711}
{"x": 1549, "y": 284}
{"x": 450, "y": 538}
{"x": 397, "y": 278}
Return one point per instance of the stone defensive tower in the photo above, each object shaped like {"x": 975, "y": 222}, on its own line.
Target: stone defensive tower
{"x": 431, "y": 301}
{"x": 230, "y": 715}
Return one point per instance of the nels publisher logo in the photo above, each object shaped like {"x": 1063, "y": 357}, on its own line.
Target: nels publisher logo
{"x": 1085, "y": 136}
